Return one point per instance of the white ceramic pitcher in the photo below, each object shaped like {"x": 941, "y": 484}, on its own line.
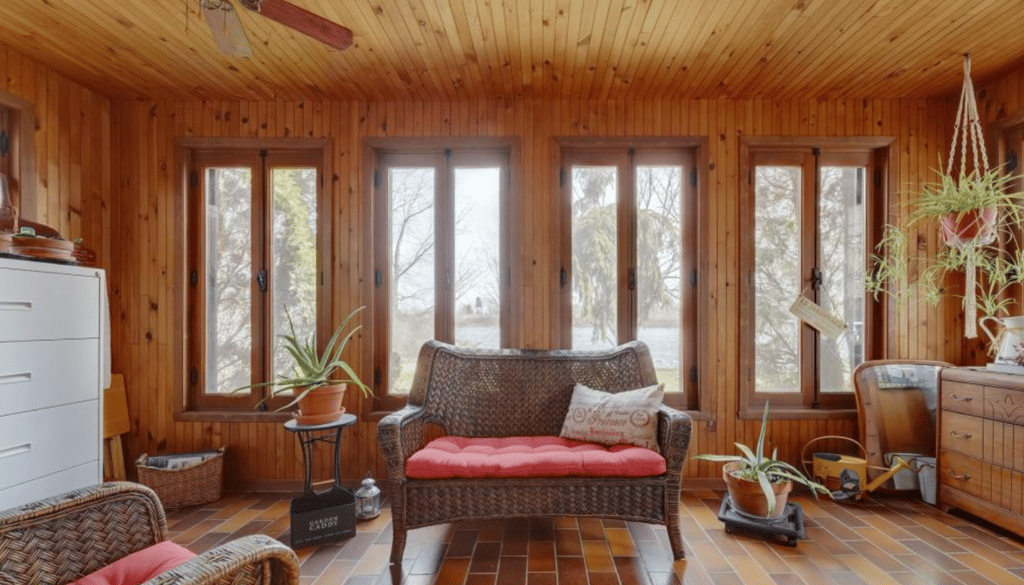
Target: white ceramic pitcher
{"x": 1011, "y": 335}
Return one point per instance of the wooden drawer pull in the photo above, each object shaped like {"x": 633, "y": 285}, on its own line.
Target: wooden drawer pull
{"x": 954, "y": 475}
{"x": 15, "y": 450}
{"x": 961, "y": 435}
{"x": 15, "y": 306}
{"x": 961, "y": 398}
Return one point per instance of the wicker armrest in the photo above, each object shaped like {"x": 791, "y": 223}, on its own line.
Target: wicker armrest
{"x": 400, "y": 434}
{"x": 65, "y": 537}
{"x": 249, "y": 560}
{"x": 674, "y": 429}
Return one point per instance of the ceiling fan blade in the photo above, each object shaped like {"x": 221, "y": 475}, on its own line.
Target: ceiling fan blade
{"x": 226, "y": 28}
{"x": 304, "y": 21}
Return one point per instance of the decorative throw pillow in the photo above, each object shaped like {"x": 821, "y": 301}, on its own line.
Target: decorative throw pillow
{"x": 140, "y": 566}
{"x": 625, "y": 418}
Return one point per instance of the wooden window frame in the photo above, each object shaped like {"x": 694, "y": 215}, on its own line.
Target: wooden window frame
{"x": 444, "y": 155}
{"x": 626, "y": 154}
{"x": 876, "y": 154}
{"x": 18, "y": 118}
{"x": 193, "y": 155}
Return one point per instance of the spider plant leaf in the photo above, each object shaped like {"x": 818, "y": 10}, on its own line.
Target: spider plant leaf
{"x": 747, "y": 452}
{"x": 766, "y": 489}
{"x": 764, "y": 427}
{"x": 718, "y": 458}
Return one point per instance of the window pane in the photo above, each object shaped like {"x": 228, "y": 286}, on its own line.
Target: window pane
{"x": 229, "y": 274}
{"x": 477, "y": 253}
{"x": 594, "y": 257}
{"x": 293, "y": 254}
{"x": 659, "y": 256}
{"x": 412, "y": 270}
{"x": 776, "y": 278}
{"x": 841, "y": 221}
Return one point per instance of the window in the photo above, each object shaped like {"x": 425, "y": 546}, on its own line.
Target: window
{"x": 440, "y": 269}
{"x": 807, "y": 232}
{"x": 255, "y": 226}
{"x": 16, "y": 152}
{"x": 629, "y": 271}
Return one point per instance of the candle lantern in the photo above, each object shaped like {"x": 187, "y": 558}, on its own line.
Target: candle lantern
{"x": 368, "y": 500}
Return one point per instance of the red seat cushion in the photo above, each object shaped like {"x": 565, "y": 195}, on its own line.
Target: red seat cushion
{"x": 140, "y": 566}
{"x": 530, "y": 457}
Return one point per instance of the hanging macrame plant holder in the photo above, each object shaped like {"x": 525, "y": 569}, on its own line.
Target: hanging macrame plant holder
{"x": 972, "y": 229}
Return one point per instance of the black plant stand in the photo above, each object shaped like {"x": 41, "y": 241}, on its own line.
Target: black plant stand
{"x": 786, "y": 529}
{"x": 330, "y": 516}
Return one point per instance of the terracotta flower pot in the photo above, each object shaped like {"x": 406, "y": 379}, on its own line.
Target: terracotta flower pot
{"x": 747, "y": 496}
{"x": 321, "y": 405}
{"x": 972, "y": 226}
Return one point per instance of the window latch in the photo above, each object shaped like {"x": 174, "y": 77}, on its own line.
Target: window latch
{"x": 261, "y": 280}
{"x": 816, "y": 279}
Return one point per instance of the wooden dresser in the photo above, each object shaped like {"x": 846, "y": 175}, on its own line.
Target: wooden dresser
{"x": 50, "y": 360}
{"x": 981, "y": 445}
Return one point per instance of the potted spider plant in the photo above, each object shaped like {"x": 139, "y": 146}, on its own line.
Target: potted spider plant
{"x": 319, "y": 380}
{"x": 759, "y": 485}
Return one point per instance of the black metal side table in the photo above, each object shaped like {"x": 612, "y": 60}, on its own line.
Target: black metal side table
{"x": 330, "y": 516}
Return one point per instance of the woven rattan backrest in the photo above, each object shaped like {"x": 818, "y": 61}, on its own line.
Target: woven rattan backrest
{"x": 506, "y": 393}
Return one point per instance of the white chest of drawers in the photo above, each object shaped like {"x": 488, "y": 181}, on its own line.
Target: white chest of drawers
{"x": 50, "y": 394}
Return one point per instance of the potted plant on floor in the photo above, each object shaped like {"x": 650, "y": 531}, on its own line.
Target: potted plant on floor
{"x": 315, "y": 382}
{"x": 758, "y": 485}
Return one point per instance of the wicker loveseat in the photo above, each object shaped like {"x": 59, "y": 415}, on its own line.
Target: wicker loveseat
{"x": 61, "y": 539}
{"x": 510, "y": 393}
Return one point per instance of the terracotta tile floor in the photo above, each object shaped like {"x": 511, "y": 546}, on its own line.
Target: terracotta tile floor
{"x": 881, "y": 541}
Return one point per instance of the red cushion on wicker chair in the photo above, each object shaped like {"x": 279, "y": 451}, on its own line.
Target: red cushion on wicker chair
{"x": 530, "y": 457}
{"x": 140, "y": 566}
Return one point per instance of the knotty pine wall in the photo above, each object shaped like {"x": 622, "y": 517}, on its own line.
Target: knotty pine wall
{"x": 71, "y": 148}
{"x": 144, "y": 202}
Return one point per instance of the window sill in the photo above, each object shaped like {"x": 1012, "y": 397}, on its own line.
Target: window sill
{"x": 228, "y": 416}
{"x": 798, "y": 413}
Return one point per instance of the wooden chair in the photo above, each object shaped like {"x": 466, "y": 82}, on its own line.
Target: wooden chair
{"x": 115, "y": 424}
{"x": 896, "y": 401}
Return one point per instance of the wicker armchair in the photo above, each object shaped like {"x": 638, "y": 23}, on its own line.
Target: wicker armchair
{"x": 506, "y": 393}
{"x": 63, "y": 538}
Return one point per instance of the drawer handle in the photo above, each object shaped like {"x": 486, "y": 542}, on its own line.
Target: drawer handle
{"x": 965, "y": 476}
{"x": 15, "y": 450}
{"x": 19, "y": 378}
{"x": 961, "y": 435}
{"x": 15, "y": 306}
{"x": 961, "y": 398}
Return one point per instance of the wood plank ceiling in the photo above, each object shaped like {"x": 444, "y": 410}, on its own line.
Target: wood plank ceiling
{"x": 512, "y": 49}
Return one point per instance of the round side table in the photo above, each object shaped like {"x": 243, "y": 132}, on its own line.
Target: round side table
{"x": 326, "y": 433}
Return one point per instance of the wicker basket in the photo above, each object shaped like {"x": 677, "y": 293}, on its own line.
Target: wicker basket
{"x": 189, "y": 486}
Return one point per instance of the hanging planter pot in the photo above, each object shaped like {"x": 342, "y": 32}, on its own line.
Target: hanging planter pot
{"x": 974, "y": 227}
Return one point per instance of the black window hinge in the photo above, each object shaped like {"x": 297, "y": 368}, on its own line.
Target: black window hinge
{"x": 1011, "y": 161}
{"x": 693, "y": 375}
{"x": 378, "y": 278}
{"x": 193, "y": 278}
{"x": 563, "y": 278}
{"x": 631, "y": 279}
{"x": 693, "y": 278}
{"x": 193, "y": 180}
{"x": 816, "y": 278}
{"x": 878, "y": 179}
{"x": 693, "y": 177}
{"x": 321, "y": 278}
{"x": 377, "y": 377}
{"x": 376, "y": 179}
{"x": 561, "y": 177}
{"x": 193, "y": 376}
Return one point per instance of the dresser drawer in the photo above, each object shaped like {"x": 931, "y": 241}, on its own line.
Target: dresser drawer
{"x": 43, "y": 442}
{"x": 80, "y": 476}
{"x": 965, "y": 398}
{"x": 962, "y": 433}
{"x": 40, "y": 374}
{"x": 41, "y": 305}
{"x": 1004, "y": 404}
{"x": 962, "y": 473}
